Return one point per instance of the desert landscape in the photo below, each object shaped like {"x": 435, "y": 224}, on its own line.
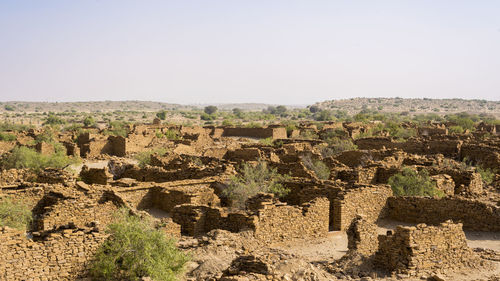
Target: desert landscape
{"x": 226, "y": 140}
{"x": 309, "y": 193}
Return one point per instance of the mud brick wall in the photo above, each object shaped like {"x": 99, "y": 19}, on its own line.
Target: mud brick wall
{"x": 280, "y": 222}
{"x": 368, "y": 201}
{"x": 63, "y": 255}
{"x": 474, "y": 215}
{"x": 426, "y": 248}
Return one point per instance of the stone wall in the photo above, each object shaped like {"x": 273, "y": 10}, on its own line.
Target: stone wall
{"x": 474, "y": 215}
{"x": 280, "y": 222}
{"x": 415, "y": 250}
{"x": 62, "y": 255}
{"x": 362, "y": 237}
{"x": 369, "y": 201}
{"x": 274, "y": 133}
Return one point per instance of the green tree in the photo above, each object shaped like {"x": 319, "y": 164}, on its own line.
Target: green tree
{"x": 412, "y": 183}
{"x": 135, "y": 249}
{"x": 162, "y": 115}
{"x": 211, "y": 109}
{"x": 52, "y": 119}
{"x": 252, "y": 180}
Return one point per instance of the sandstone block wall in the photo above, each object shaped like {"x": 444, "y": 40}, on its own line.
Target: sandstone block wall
{"x": 362, "y": 237}
{"x": 63, "y": 255}
{"x": 274, "y": 133}
{"x": 283, "y": 222}
{"x": 425, "y": 248}
{"x": 369, "y": 201}
{"x": 474, "y": 215}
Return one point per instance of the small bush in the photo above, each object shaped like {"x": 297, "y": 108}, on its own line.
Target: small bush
{"x": 14, "y": 214}
{"x": 23, "y": 157}
{"x": 7, "y": 137}
{"x": 488, "y": 175}
{"x": 319, "y": 168}
{"x": 456, "y": 130}
{"x": 135, "y": 250}
{"x": 172, "y": 134}
{"x": 144, "y": 157}
{"x": 252, "y": 180}
{"x": 340, "y": 145}
{"x": 411, "y": 183}
{"x": 267, "y": 141}
{"x": 89, "y": 121}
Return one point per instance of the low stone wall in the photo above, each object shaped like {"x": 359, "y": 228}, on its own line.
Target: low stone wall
{"x": 369, "y": 201}
{"x": 474, "y": 215}
{"x": 415, "y": 250}
{"x": 282, "y": 222}
{"x": 270, "y": 220}
{"x": 274, "y": 133}
{"x": 63, "y": 255}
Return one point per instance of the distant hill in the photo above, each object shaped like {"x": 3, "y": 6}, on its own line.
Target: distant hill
{"x": 109, "y": 106}
{"x": 88, "y": 106}
{"x": 413, "y": 106}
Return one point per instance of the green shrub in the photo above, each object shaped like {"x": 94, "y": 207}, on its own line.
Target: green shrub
{"x": 14, "y": 214}
{"x": 319, "y": 168}
{"x": 338, "y": 145}
{"x": 172, "y": 134}
{"x": 89, "y": 121}
{"x": 117, "y": 128}
{"x": 7, "y": 137}
{"x": 488, "y": 175}
{"x": 162, "y": 115}
{"x": 267, "y": 141}
{"x": 9, "y": 107}
{"x": 23, "y": 157}
{"x": 144, "y": 158}
{"x": 456, "y": 130}
{"x": 411, "y": 183}
{"x": 252, "y": 180}
{"x": 52, "y": 119}
{"x": 135, "y": 249}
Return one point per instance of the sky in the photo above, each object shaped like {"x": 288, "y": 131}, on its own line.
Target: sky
{"x": 269, "y": 51}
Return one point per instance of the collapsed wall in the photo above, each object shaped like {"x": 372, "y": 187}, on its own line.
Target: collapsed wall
{"x": 271, "y": 221}
{"x": 473, "y": 214}
{"x": 415, "y": 250}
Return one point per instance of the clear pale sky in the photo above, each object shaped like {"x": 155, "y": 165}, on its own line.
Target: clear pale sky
{"x": 269, "y": 51}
